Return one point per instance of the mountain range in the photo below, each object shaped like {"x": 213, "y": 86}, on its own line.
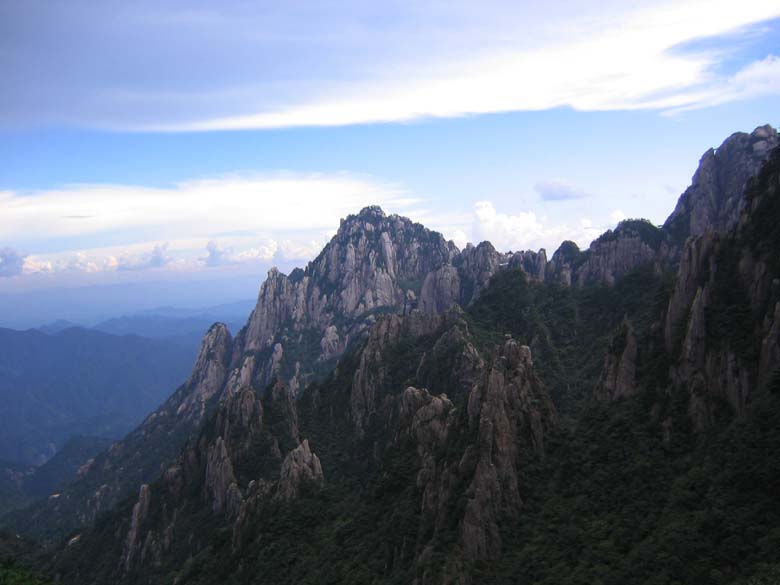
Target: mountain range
{"x": 402, "y": 411}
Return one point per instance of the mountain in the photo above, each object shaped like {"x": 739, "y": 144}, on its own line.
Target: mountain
{"x": 715, "y": 199}
{"x": 172, "y": 322}
{"x": 75, "y": 456}
{"x": 78, "y": 381}
{"x": 54, "y": 327}
{"x": 405, "y": 412}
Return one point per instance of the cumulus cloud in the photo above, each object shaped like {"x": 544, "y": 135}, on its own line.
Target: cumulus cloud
{"x": 156, "y": 258}
{"x": 35, "y": 265}
{"x": 11, "y": 262}
{"x": 218, "y": 255}
{"x": 557, "y": 190}
{"x": 525, "y": 230}
{"x": 617, "y": 216}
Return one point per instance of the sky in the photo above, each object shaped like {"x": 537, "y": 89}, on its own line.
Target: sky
{"x": 172, "y": 143}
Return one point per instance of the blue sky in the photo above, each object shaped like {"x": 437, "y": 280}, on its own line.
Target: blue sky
{"x": 181, "y": 142}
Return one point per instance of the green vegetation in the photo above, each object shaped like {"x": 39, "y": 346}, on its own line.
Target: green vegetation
{"x": 570, "y": 330}
{"x": 13, "y": 574}
{"x": 648, "y": 232}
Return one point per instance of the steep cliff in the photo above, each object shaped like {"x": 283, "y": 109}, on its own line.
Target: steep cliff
{"x": 721, "y": 325}
{"x": 611, "y": 256}
{"x": 715, "y": 199}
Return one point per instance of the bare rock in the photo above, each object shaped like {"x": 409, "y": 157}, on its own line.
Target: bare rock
{"x": 300, "y": 466}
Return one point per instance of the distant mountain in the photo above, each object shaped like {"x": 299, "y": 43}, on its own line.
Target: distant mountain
{"x": 22, "y": 484}
{"x": 223, "y": 312}
{"x": 64, "y": 467}
{"x": 53, "y": 327}
{"x": 79, "y": 382}
{"x": 183, "y": 327}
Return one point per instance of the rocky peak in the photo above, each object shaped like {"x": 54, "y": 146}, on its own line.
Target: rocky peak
{"x": 563, "y": 263}
{"x": 374, "y": 263}
{"x": 511, "y": 413}
{"x": 371, "y": 212}
{"x": 722, "y": 318}
{"x": 618, "y": 377}
{"x": 716, "y": 195}
{"x": 208, "y": 373}
{"x": 300, "y": 466}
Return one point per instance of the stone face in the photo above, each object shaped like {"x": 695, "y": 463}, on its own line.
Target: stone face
{"x": 373, "y": 262}
{"x": 440, "y": 290}
{"x": 618, "y": 377}
{"x": 724, "y": 275}
{"x": 208, "y": 374}
{"x": 140, "y": 512}
{"x": 715, "y": 198}
{"x": 300, "y": 466}
{"x": 610, "y": 257}
{"x": 512, "y": 413}
{"x": 372, "y": 371}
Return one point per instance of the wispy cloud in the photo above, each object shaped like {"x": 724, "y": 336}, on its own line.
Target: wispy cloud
{"x": 354, "y": 62}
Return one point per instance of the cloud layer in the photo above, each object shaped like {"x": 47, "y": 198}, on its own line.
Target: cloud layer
{"x": 234, "y": 219}
{"x": 219, "y": 65}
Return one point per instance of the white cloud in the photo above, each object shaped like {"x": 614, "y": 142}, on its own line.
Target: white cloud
{"x": 757, "y": 79}
{"x": 352, "y": 62}
{"x": 35, "y": 265}
{"x": 158, "y": 257}
{"x": 283, "y": 202}
{"x": 218, "y": 255}
{"x": 234, "y": 214}
{"x": 627, "y": 61}
{"x": 617, "y": 216}
{"x": 525, "y": 230}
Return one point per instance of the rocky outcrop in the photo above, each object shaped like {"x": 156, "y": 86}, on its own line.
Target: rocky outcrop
{"x": 715, "y": 198}
{"x": 617, "y": 252}
{"x": 370, "y": 377}
{"x": 721, "y": 321}
{"x": 610, "y": 257}
{"x": 300, "y": 466}
{"x": 440, "y": 290}
{"x": 374, "y": 262}
{"x": 564, "y": 262}
{"x": 508, "y": 414}
{"x": 618, "y": 377}
{"x": 511, "y": 414}
{"x": 534, "y": 264}
{"x": 208, "y": 374}
{"x": 461, "y": 282}
{"x": 140, "y": 513}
